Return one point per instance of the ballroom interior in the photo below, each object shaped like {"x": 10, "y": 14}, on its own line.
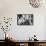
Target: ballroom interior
{"x": 22, "y": 23}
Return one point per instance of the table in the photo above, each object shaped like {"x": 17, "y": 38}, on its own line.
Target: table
{"x": 28, "y": 43}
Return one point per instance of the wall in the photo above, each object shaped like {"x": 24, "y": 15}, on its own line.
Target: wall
{"x": 10, "y": 8}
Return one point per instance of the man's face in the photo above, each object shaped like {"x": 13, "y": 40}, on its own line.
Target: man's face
{"x": 26, "y": 17}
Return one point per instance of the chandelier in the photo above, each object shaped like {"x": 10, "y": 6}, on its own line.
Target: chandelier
{"x": 36, "y": 3}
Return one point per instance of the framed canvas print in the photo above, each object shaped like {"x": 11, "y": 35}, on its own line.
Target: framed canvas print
{"x": 24, "y": 19}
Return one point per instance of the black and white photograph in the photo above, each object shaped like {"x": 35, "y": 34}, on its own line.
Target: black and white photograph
{"x": 24, "y": 19}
